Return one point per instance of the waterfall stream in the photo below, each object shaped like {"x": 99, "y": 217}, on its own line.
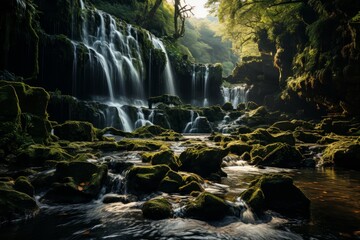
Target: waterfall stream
{"x": 235, "y": 95}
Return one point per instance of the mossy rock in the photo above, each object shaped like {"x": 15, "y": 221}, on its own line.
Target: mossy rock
{"x": 38, "y": 128}
{"x": 307, "y": 137}
{"x": 145, "y": 179}
{"x": 276, "y": 155}
{"x": 278, "y": 193}
{"x": 9, "y": 106}
{"x": 192, "y": 186}
{"x": 214, "y": 113}
{"x": 156, "y": 209}
{"x": 188, "y": 177}
{"x": 250, "y": 105}
{"x": 238, "y": 147}
{"x": 151, "y": 131}
{"x": 77, "y": 182}
{"x": 171, "y": 182}
{"x": 75, "y": 131}
{"x": 22, "y": 184}
{"x": 264, "y": 137}
{"x": 37, "y": 154}
{"x": 166, "y": 157}
{"x": 243, "y": 129}
{"x": 141, "y": 145}
{"x": 343, "y": 153}
{"x": 14, "y": 204}
{"x": 207, "y": 207}
{"x": 227, "y": 106}
{"x": 166, "y": 99}
{"x": 204, "y": 161}
{"x": 285, "y": 125}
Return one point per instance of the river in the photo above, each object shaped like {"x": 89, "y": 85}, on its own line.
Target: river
{"x": 335, "y": 213}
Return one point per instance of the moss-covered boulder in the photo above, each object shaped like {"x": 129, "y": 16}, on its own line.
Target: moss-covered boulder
{"x": 277, "y": 193}
{"x": 171, "y": 182}
{"x": 276, "y": 155}
{"x": 343, "y": 153}
{"x": 9, "y": 105}
{"x": 166, "y": 157}
{"x": 207, "y": 207}
{"x": 214, "y": 113}
{"x": 227, "y": 106}
{"x": 76, "y": 182}
{"x": 141, "y": 145}
{"x": 22, "y": 184}
{"x": 204, "y": 161}
{"x": 151, "y": 131}
{"x": 145, "y": 179}
{"x": 157, "y": 208}
{"x": 15, "y": 204}
{"x": 238, "y": 147}
{"x": 75, "y": 131}
{"x": 166, "y": 99}
{"x": 307, "y": 137}
{"x": 192, "y": 186}
{"x": 37, "y": 154}
{"x": 264, "y": 136}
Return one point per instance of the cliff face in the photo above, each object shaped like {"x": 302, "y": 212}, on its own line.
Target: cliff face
{"x": 70, "y": 46}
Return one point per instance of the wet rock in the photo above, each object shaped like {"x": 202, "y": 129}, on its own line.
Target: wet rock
{"x": 201, "y": 125}
{"x": 343, "y": 153}
{"x": 192, "y": 186}
{"x": 238, "y": 147}
{"x": 207, "y": 207}
{"x": 213, "y": 113}
{"x": 263, "y": 136}
{"x": 75, "y": 131}
{"x": 307, "y": 137}
{"x": 145, "y": 179}
{"x": 171, "y": 182}
{"x": 277, "y": 193}
{"x": 156, "y": 209}
{"x": 203, "y": 160}
{"x": 76, "y": 182}
{"x": 113, "y": 198}
{"x": 166, "y": 157}
{"x": 23, "y": 185}
{"x": 227, "y": 106}
{"x": 276, "y": 155}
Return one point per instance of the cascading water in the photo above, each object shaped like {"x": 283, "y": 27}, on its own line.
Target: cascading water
{"x": 236, "y": 95}
{"x": 141, "y": 121}
{"x": 168, "y": 74}
{"x": 190, "y": 125}
{"x": 206, "y": 79}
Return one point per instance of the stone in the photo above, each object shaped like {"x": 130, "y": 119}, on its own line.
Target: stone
{"x": 156, "y": 209}
{"x": 75, "y": 131}
{"x": 278, "y": 193}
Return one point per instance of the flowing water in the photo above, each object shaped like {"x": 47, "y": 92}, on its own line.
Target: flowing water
{"x": 235, "y": 95}
{"x": 334, "y": 195}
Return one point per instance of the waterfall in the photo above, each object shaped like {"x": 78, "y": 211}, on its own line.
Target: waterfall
{"x": 115, "y": 63}
{"x": 150, "y": 61}
{"x": 141, "y": 121}
{"x": 168, "y": 74}
{"x": 193, "y": 84}
{"x": 206, "y": 79}
{"x": 235, "y": 95}
{"x": 74, "y": 70}
{"x": 126, "y": 122}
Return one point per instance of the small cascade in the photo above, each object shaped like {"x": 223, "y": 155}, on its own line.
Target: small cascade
{"x": 74, "y": 70}
{"x": 141, "y": 121}
{"x": 168, "y": 73}
{"x": 193, "y": 116}
{"x": 126, "y": 122}
{"x": 193, "y": 83}
{"x": 200, "y": 85}
{"x": 236, "y": 95}
{"x": 150, "y": 61}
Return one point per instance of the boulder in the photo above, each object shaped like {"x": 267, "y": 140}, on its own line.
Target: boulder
{"x": 145, "y": 179}
{"x": 343, "y": 153}
{"x": 23, "y": 185}
{"x": 171, "y": 182}
{"x": 227, "y": 106}
{"x": 207, "y": 207}
{"x": 14, "y": 204}
{"x": 192, "y": 186}
{"x": 204, "y": 161}
{"x": 166, "y": 157}
{"x": 276, "y": 155}
{"x": 201, "y": 125}
{"x": 277, "y": 193}
{"x": 76, "y": 182}
{"x": 238, "y": 147}
{"x": 75, "y": 131}
{"x": 156, "y": 209}
{"x": 263, "y": 136}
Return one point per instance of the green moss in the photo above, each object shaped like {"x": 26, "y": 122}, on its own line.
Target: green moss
{"x": 141, "y": 145}
{"x": 207, "y": 207}
{"x": 145, "y": 179}
{"x": 213, "y": 113}
{"x": 203, "y": 161}
{"x": 14, "y": 204}
{"x": 166, "y": 99}
{"x": 192, "y": 186}
{"x": 166, "y": 157}
{"x": 75, "y": 131}
{"x": 23, "y": 185}
{"x": 276, "y": 155}
{"x": 9, "y": 105}
{"x": 263, "y": 136}
{"x": 154, "y": 131}
{"x": 158, "y": 208}
{"x": 276, "y": 192}
{"x": 238, "y": 147}
{"x": 343, "y": 153}
{"x": 307, "y": 137}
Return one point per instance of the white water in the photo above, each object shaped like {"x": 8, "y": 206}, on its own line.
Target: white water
{"x": 236, "y": 95}
{"x": 189, "y": 126}
{"x": 206, "y": 80}
{"x": 141, "y": 121}
{"x": 168, "y": 74}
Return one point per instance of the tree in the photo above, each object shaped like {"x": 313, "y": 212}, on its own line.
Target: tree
{"x": 181, "y": 12}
